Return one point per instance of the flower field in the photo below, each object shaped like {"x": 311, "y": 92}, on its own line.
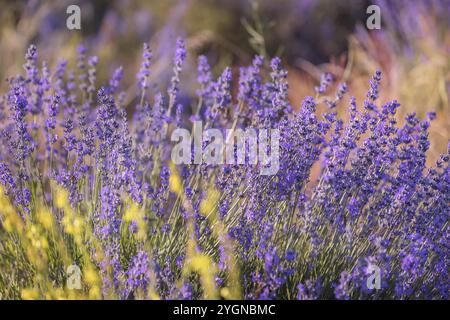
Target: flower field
{"x": 357, "y": 209}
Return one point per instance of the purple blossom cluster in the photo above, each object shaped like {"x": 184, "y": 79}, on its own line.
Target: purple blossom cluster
{"x": 295, "y": 234}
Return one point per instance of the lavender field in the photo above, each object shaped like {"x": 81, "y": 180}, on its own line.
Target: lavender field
{"x": 96, "y": 204}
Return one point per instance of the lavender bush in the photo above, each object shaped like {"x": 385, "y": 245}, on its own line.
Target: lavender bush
{"x": 89, "y": 181}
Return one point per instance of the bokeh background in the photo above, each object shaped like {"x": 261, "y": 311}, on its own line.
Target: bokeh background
{"x": 412, "y": 48}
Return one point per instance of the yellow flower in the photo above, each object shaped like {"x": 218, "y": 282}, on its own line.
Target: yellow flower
{"x": 132, "y": 213}
{"x": 11, "y": 219}
{"x": 205, "y": 267}
{"x": 225, "y": 293}
{"x": 30, "y": 294}
{"x": 136, "y": 214}
{"x": 46, "y": 219}
{"x": 154, "y": 296}
{"x": 91, "y": 277}
{"x": 94, "y": 293}
{"x": 73, "y": 224}
{"x": 62, "y": 198}
{"x": 200, "y": 263}
{"x": 208, "y": 205}
{"x": 77, "y": 225}
{"x": 8, "y": 225}
{"x": 175, "y": 183}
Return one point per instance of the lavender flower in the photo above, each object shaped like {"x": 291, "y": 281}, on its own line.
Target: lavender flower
{"x": 115, "y": 79}
{"x": 180, "y": 56}
{"x": 204, "y": 78}
{"x": 31, "y": 64}
{"x": 144, "y": 72}
{"x": 92, "y": 73}
{"x": 354, "y": 193}
{"x": 325, "y": 80}
{"x": 374, "y": 86}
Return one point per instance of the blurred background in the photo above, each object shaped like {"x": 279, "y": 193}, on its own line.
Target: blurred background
{"x": 412, "y": 48}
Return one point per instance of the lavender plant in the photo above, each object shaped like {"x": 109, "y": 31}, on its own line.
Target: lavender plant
{"x": 86, "y": 180}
